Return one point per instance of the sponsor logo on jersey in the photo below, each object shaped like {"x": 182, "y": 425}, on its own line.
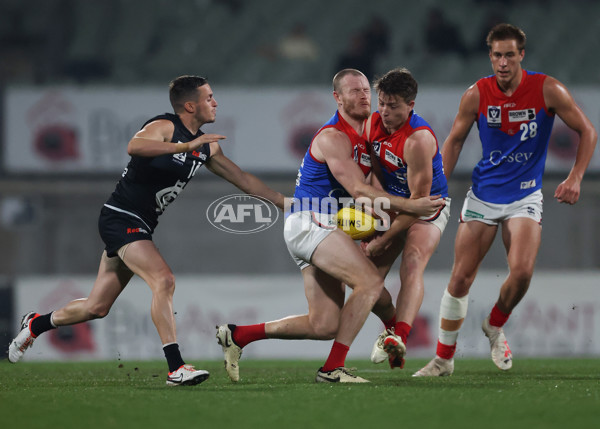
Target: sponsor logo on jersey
{"x": 528, "y": 184}
{"x": 365, "y": 159}
{"x": 521, "y": 115}
{"x": 200, "y": 155}
{"x": 393, "y": 159}
{"x": 497, "y": 157}
{"x": 242, "y": 214}
{"x": 494, "y": 116}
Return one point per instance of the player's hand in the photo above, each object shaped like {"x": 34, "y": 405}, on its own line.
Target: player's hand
{"x": 376, "y": 246}
{"x": 203, "y": 139}
{"x": 426, "y": 206}
{"x": 568, "y": 191}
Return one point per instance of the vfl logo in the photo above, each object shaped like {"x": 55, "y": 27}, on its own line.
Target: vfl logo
{"x": 376, "y": 147}
{"x": 494, "y": 116}
{"x": 242, "y": 214}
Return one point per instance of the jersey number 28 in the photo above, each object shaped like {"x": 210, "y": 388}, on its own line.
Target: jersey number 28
{"x": 529, "y": 130}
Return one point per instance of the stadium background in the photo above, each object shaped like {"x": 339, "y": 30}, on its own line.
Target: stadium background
{"x": 80, "y": 76}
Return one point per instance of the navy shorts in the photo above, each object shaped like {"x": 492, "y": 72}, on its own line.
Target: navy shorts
{"x": 120, "y": 228}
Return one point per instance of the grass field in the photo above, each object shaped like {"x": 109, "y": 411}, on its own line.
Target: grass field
{"x": 536, "y": 393}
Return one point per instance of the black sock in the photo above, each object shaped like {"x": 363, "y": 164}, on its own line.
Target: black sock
{"x": 41, "y": 324}
{"x": 173, "y": 356}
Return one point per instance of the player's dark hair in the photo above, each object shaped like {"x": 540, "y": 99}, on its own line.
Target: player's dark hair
{"x": 184, "y": 88}
{"x": 343, "y": 73}
{"x": 399, "y": 82}
{"x": 506, "y": 32}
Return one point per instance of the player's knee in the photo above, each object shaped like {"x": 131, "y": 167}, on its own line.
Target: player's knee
{"x": 165, "y": 284}
{"x": 372, "y": 289}
{"x": 460, "y": 284}
{"x": 412, "y": 260}
{"x": 325, "y": 330}
{"x": 97, "y": 311}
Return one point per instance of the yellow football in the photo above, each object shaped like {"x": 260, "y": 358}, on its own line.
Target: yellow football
{"x": 356, "y": 223}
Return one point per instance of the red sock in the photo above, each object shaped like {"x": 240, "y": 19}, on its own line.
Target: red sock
{"x": 243, "y": 335}
{"x": 402, "y": 329}
{"x": 337, "y": 357}
{"x": 497, "y": 317}
{"x": 444, "y": 351}
{"x": 389, "y": 324}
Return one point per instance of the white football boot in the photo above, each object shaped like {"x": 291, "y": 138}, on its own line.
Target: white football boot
{"x": 23, "y": 340}
{"x": 501, "y": 354}
{"x": 378, "y": 354}
{"x": 186, "y": 375}
{"x": 437, "y": 367}
{"x": 231, "y": 351}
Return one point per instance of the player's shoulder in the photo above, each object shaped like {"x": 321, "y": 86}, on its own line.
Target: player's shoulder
{"x": 471, "y": 96}
{"x": 328, "y": 134}
{"x": 160, "y": 122}
{"x": 555, "y": 92}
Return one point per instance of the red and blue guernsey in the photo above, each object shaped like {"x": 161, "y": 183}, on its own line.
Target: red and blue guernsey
{"x": 389, "y": 149}
{"x": 316, "y": 188}
{"x": 514, "y": 132}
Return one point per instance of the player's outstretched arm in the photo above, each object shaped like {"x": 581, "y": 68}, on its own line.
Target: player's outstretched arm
{"x": 222, "y": 166}
{"x": 155, "y": 140}
{"x": 559, "y": 100}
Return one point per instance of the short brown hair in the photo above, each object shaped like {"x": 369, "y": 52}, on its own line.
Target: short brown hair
{"x": 399, "y": 82}
{"x": 506, "y": 32}
{"x": 343, "y": 73}
{"x": 184, "y": 88}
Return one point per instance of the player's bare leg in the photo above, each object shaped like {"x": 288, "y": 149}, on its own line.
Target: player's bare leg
{"x": 143, "y": 258}
{"x": 325, "y": 296}
{"x": 422, "y": 239}
{"x": 522, "y": 238}
{"x": 113, "y": 276}
{"x": 339, "y": 256}
{"x": 473, "y": 241}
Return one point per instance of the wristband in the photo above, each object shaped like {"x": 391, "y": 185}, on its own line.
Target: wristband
{"x": 182, "y": 147}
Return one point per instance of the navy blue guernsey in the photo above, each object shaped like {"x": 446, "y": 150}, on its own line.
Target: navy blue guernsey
{"x": 149, "y": 184}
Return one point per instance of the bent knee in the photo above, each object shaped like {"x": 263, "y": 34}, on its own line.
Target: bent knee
{"x": 324, "y": 331}
{"x": 97, "y": 311}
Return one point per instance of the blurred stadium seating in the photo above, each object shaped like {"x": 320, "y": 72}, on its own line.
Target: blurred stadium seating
{"x": 147, "y": 42}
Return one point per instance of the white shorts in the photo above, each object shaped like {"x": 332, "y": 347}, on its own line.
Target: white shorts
{"x": 303, "y": 231}
{"x": 475, "y": 209}
{"x": 440, "y": 219}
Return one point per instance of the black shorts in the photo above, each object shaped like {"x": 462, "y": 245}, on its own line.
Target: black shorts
{"x": 118, "y": 229}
